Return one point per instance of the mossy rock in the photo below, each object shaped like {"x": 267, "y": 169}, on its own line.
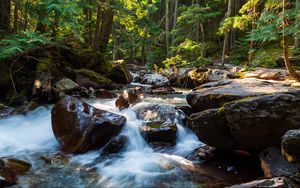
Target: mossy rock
{"x": 46, "y": 64}
{"x": 94, "y": 76}
{"x": 5, "y": 81}
{"x": 120, "y": 73}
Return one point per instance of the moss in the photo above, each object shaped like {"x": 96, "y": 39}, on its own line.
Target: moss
{"x": 94, "y": 76}
{"x": 45, "y": 64}
{"x": 238, "y": 100}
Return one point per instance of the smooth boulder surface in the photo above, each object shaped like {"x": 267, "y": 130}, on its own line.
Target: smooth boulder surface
{"x": 291, "y": 146}
{"x": 215, "y": 94}
{"x": 126, "y": 98}
{"x": 278, "y": 182}
{"x": 253, "y": 123}
{"x": 155, "y": 79}
{"x": 159, "y": 131}
{"x": 66, "y": 85}
{"x": 80, "y": 127}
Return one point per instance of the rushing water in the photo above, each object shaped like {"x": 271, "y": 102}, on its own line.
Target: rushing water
{"x": 30, "y": 138}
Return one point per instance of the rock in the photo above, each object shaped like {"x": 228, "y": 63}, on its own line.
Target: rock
{"x": 116, "y": 144}
{"x": 159, "y": 131}
{"x": 17, "y": 166}
{"x": 158, "y": 112}
{"x": 273, "y": 164}
{"x": 266, "y": 74}
{"x": 290, "y": 146}
{"x": 88, "y": 78}
{"x": 103, "y": 93}
{"x": 120, "y": 74}
{"x": 5, "y": 111}
{"x": 215, "y": 94}
{"x": 66, "y": 85}
{"x": 127, "y": 97}
{"x": 155, "y": 79}
{"x": 252, "y": 123}
{"x": 211, "y": 127}
{"x": 214, "y": 75}
{"x": 163, "y": 90}
{"x": 80, "y": 127}
{"x": 25, "y": 108}
{"x": 278, "y": 182}
{"x": 187, "y": 110}
{"x": 136, "y": 77}
{"x": 296, "y": 85}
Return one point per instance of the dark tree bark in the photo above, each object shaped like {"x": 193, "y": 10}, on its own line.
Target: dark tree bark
{"x": 16, "y": 16}
{"x": 5, "y": 6}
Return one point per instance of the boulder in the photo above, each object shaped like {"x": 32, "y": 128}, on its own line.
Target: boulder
{"x": 266, "y": 74}
{"x": 126, "y": 98}
{"x": 88, "y": 78}
{"x": 215, "y": 94}
{"x": 66, "y": 85}
{"x": 80, "y": 127}
{"x": 162, "y": 90}
{"x": 116, "y": 144}
{"x": 120, "y": 74}
{"x": 274, "y": 165}
{"x": 211, "y": 127}
{"x": 187, "y": 110}
{"x": 5, "y": 111}
{"x": 291, "y": 145}
{"x": 252, "y": 123}
{"x": 159, "y": 131}
{"x": 278, "y": 182}
{"x": 158, "y": 112}
{"x": 155, "y": 79}
{"x": 103, "y": 93}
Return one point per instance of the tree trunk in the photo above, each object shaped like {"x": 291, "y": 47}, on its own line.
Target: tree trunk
{"x": 287, "y": 62}
{"x": 251, "y": 46}
{"x": 227, "y": 34}
{"x": 106, "y": 29}
{"x": 16, "y": 16}
{"x": 297, "y": 38}
{"x": 96, "y": 41}
{"x": 174, "y": 20}
{"x": 167, "y": 26}
{"x": 5, "y": 16}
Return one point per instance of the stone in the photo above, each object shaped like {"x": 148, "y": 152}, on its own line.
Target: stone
{"x": 163, "y": 90}
{"x": 103, "y": 93}
{"x": 278, "y": 182}
{"x": 266, "y": 74}
{"x": 5, "y": 111}
{"x": 290, "y": 145}
{"x": 187, "y": 110}
{"x": 215, "y": 94}
{"x": 116, "y": 144}
{"x": 66, "y": 85}
{"x": 17, "y": 166}
{"x": 126, "y": 98}
{"x": 155, "y": 79}
{"x": 120, "y": 73}
{"x": 159, "y": 131}
{"x": 249, "y": 124}
{"x": 79, "y": 127}
{"x": 274, "y": 165}
{"x": 88, "y": 78}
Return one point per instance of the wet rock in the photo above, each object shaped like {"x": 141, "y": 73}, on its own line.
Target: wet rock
{"x": 159, "y": 131}
{"x": 248, "y": 124}
{"x": 163, "y": 90}
{"x": 25, "y": 108}
{"x": 273, "y": 164}
{"x": 116, "y": 144}
{"x": 211, "y": 127}
{"x": 120, "y": 74}
{"x": 290, "y": 146}
{"x": 80, "y": 127}
{"x": 5, "y": 111}
{"x": 187, "y": 110}
{"x": 126, "y": 98}
{"x": 215, "y": 94}
{"x": 278, "y": 182}
{"x": 66, "y": 85}
{"x": 155, "y": 79}
{"x": 88, "y": 78}
{"x": 103, "y": 93}
{"x": 158, "y": 112}
{"x": 56, "y": 159}
{"x": 17, "y": 166}
{"x": 205, "y": 153}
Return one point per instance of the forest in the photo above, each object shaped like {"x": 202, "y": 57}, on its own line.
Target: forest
{"x": 150, "y": 93}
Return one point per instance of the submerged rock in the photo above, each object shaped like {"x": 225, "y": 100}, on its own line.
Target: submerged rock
{"x": 291, "y": 146}
{"x": 215, "y": 94}
{"x": 249, "y": 124}
{"x": 79, "y": 127}
{"x": 159, "y": 131}
{"x": 116, "y": 144}
{"x": 274, "y": 165}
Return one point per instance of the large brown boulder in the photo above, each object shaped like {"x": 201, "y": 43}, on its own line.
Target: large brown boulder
{"x": 291, "y": 145}
{"x": 253, "y": 123}
{"x": 88, "y": 78}
{"x": 159, "y": 131}
{"x": 215, "y": 94}
{"x": 79, "y": 127}
{"x": 120, "y": 74}
{"x": 278, "y": 182}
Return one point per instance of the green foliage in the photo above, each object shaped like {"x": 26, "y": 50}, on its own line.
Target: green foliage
{"x": 18, "y": 43}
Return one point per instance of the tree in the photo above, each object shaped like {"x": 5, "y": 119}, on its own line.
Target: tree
{"x": 5, "y": 6}
{"x": 297, "y": 38}
{"x": 167, "y": 28}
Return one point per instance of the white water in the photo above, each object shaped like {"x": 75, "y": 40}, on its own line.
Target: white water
{"x": 138, "y": 166}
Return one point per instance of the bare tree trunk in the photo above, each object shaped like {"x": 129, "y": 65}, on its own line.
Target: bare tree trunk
{"x": 5, "y": 6}
{"x": 251, "y": 46}
{"x": 297, "y": 38}
{"x": 16, "y": 16}
{"x": 227, "y": 34}
{"x": 175, "y": 20}
{"x": 287, "y": 62}
{"x": 167, "y": 26}
{"x": 96, "y": 45}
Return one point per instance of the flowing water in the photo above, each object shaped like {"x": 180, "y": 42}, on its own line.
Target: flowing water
{"x": 30, "y": 138}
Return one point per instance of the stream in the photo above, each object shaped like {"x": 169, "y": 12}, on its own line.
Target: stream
{"x": 30, "y": 138}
